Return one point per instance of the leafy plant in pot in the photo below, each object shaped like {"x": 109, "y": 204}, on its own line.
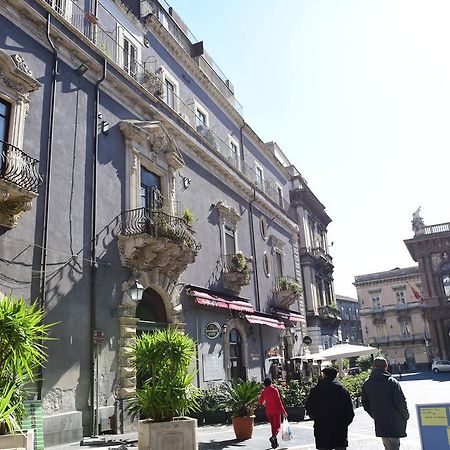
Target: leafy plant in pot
{"x": 22, "y": 333}
{"x": 162, "y": 359}
{"x": 241, "y": 399}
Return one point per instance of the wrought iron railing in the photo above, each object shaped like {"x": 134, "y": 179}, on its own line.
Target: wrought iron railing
{"x": 407, "y": 337}
{"x": 329, "y": 311}
{"x": 106, "y": 42}
{"x": 19, "y": 168}
{"x": 158, "y": 224}
{"x": 285, "y": 283}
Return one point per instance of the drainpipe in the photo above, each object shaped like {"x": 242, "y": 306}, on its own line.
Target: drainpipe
{"x": 51, "y": 121}
{"x": 94, "y": 265}
{"x": 241, "y": 139}
{"x": 255, "y": 271}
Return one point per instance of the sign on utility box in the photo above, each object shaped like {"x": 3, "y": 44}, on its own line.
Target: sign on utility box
{"x": 434, "y": 425}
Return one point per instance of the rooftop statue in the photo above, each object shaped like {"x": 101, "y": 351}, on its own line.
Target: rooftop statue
{"x": 417, "y": 222}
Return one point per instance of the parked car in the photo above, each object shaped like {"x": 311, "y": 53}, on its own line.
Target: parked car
{"x": 440, "y": 366}
{"x": 354, "y": 371}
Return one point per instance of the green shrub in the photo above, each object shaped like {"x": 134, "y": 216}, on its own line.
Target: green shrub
{"x": 241, "y": 397}
{"x": 354, "y": 383}
{"x": 364, "y": 362}
{"x": 210, "y": 399}
{"x": 162, "y": 358}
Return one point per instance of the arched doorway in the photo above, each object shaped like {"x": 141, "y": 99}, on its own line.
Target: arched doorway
{"x": 237, "y": 369}
{"x": 150, "y": 312}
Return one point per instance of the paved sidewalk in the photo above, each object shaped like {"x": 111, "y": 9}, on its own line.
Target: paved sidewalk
{"x": 418, "y": 388}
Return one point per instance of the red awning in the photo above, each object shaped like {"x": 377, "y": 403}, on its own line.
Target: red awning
{"x": 274, "y": 323}
{"x": 203, "y": 298}
{"x": 290, "y": 315}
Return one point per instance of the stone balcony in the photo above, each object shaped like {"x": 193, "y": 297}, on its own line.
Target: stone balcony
{"x": 154, "y": 240}
{"x": 237, "y": 271}
{"x": 287, "y": 291}
{"x": 19, "y": 182}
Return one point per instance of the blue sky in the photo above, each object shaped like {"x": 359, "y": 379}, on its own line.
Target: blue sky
{"x": 357, "y": 95}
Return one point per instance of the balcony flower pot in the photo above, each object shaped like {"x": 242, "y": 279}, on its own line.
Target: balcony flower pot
{"x": 241, "y": 399}
{"x": 162, "y": 359}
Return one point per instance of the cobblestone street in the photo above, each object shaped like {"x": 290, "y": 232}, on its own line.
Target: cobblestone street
{"x": 418, "y": 388}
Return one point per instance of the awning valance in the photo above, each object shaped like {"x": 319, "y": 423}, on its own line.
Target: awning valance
{"x": 292, "y": 316}
{"x": 274, "y": 323}
{"x": 216, "y": 301}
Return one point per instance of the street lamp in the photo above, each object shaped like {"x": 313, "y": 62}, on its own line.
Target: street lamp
{"x": 136, "y": 290}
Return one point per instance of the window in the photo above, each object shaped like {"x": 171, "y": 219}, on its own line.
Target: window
{"x": 278, "y": 263}
{"x": 230, "y": 241}
{"x": 60, "y": 6}
{"x": 259, "y": 181}
{"x": 234, "y": 153}
{"x": 280, "y": 196}
{"x": 445, "y": 271}
{"x": 381, "y": 330}
{"x": 400, "y": 297}
{"x": 150, "y": 194}
{"x": 405, "y": 328}
{"x": 236, "y": 364}
{"x": 171, "y": 89}
{"x": 376, "y": 301}
{"x": 129, "y": 57}
{"x": 200, "y": 118}
{"x": 169, "y": 94}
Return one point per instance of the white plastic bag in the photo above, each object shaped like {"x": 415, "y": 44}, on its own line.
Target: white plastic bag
{"x": 286, "y": 433}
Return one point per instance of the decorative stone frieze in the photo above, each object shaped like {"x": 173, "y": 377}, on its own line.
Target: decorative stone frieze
{"x": 286, "y": 298}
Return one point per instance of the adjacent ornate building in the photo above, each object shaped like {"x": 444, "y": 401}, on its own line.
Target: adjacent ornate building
{"x": 322, "y": 315}
{"x": 430, "y": 248}
{"x": 392, "y": 317}
{"x": 350, "y": 327}
{"x": 134, "y": 197}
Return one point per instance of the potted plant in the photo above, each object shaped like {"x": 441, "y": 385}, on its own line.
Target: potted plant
{"x": 22, "y": 332}
{"x": 188, "y": 216}
{"x": 241, "y": 399}
{"x": 240, "y": 264}
{"x": 153, "y": 83}
{"x": 162, "y": 359}
{"x": 209, "y": 402}
{"x": 294, "y": 396}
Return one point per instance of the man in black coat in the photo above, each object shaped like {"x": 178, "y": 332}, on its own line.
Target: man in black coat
{"x": 383, "y": 399}
{"x": 330, "y": 406}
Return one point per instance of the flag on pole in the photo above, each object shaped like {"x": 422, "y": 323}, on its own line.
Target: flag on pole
{"x": 416, "y": 294}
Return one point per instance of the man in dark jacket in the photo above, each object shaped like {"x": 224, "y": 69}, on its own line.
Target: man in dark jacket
{"x": 330, "y": 406}
{"x": 383, "y": 399}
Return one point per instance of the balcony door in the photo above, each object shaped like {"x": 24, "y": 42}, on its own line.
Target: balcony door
{"x": 151, "y": 196}
{"x": 4, "y": 124}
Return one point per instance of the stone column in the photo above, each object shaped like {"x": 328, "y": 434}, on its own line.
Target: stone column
{"x": 127, "y": 373}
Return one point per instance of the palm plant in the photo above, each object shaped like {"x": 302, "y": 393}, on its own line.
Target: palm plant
{"x": 162, "y": 360}
{"x": 241, "y": 397}
{"x": 22, "y": 333}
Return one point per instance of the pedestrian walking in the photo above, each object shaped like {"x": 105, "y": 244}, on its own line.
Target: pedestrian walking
{"x": 399, "y": 367}
{"x": 271, "y": 399}
{"x": 330, "y": 406}
{"x": 383, "y": 399}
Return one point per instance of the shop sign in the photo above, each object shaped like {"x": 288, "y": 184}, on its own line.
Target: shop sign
{"x": 212, "y": 330}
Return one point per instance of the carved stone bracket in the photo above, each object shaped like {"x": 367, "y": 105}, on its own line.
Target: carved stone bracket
{"x": 285, "y": 298}
{"x": 13, "y": 202}
{"x": 235, "y": 280}
{"x": 227, "y": 214}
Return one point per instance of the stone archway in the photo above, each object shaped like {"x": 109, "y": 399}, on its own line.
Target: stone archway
{"x": 169, "y": 292}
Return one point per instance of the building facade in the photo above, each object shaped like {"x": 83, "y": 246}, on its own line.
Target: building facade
{"x": 322, "y": 316}
{"x": 430, "y": 248}
{"x": 135, "y": 197}
{"x": 350, "y": 327}
{"x": 392, "y": 317}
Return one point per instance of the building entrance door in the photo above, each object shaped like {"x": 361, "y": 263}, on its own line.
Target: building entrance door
{"x": 237, "y": 366}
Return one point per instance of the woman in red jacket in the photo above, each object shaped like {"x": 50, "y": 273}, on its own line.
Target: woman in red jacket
{"x": 270, "y": 397}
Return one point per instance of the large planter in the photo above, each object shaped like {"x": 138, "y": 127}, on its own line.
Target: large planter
{"x": 179, "y": 434}
{"x": 243, "y": 427}
{"x": 296, "y": 413}
{"x": 22, "y": 439}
